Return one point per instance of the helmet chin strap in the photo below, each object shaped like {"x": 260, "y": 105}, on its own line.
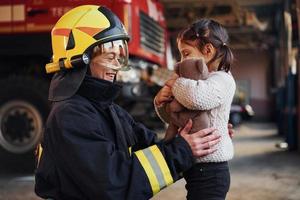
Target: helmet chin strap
{"x": 115, "y": 79}
{"x": 88, "y": 71}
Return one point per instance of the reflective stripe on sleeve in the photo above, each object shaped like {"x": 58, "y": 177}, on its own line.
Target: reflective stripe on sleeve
{"x": 155, "y": 167}
{"x": 162, "y": 164}
{"x": 130, "y": 150}
{"x": 39, "y": 152}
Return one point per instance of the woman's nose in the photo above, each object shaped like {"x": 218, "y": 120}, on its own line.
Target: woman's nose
{"x": 117, "y": 62}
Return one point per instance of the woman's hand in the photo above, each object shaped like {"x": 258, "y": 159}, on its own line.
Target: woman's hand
{"x": 202, "y": 142}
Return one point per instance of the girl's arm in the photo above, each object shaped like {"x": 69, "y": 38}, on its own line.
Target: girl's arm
{"x": 204, "y": 94}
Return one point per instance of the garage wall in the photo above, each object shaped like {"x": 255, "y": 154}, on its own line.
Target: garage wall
{"x": 252, "y": 74}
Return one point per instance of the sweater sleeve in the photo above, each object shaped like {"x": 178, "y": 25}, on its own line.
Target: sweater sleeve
{"x": 204, "y": 94}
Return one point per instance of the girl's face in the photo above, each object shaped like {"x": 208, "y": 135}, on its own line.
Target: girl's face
{"x": 189, "y": 50}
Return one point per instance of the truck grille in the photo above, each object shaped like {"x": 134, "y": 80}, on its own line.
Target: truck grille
{"x": 151, "y": 34}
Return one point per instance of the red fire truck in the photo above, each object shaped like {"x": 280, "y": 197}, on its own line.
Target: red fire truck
{"x": 25, "y": 42}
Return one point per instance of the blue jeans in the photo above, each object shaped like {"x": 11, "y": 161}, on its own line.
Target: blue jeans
{"x": 207, "y": 181}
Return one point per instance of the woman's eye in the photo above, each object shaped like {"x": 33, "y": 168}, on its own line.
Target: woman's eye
{"x": 111, "y": 57}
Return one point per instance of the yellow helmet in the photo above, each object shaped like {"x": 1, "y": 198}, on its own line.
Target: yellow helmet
{"x": 73, "y": 40}
{"x": 78, "y": 31}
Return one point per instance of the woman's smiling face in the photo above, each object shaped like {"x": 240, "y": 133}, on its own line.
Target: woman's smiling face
{"x": 108, "y": 58}
{"x": 103, "y": 64}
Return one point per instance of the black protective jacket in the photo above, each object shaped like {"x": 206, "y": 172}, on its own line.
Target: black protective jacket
{"x": 93, "y": 149}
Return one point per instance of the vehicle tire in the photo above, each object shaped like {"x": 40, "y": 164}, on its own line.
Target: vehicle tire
{"x": 235, "y": 118}
{"x": 23, "y": 110}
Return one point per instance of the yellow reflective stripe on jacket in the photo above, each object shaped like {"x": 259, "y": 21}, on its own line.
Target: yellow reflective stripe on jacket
{"x": 149, "y": 171}
{"x": 39, "y": 153}
{"x": 130, "y": 150}
{"x": 162, "y": 164}
{"x": 155, "y": 167}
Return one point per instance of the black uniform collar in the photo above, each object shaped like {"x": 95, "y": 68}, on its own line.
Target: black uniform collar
{"x": 100, "y": 90}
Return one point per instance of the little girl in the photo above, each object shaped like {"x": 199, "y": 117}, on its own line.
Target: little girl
{"x": 209, "y": 178}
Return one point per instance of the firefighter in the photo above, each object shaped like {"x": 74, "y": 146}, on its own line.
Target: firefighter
{"x": 92, "y": 148}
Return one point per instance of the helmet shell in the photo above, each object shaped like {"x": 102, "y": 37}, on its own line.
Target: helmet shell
{"x": 82, "y": 28}
{"x": 74, "y": 36}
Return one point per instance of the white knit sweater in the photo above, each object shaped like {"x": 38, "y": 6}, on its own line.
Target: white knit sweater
{"x": 215, "y": 95}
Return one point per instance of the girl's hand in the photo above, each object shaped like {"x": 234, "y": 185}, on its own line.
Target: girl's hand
{"x": 165, "y": 94}
{"x": 230, "y": 130}
{"x": 202, "y": 142}
{"x": 172, "y": 80}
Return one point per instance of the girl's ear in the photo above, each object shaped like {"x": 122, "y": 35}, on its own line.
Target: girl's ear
{"x": 209, "y": 50}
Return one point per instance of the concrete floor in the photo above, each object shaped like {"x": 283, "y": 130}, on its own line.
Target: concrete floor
{"x": 259, "y": 171}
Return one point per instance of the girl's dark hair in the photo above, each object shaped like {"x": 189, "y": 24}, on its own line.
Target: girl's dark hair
{"x": 206, "y": 31}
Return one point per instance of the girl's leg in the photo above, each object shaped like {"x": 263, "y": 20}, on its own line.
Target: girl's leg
{"x": 207, "y": 181}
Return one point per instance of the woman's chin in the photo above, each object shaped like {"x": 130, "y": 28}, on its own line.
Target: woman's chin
{"x": 109, "y": 78}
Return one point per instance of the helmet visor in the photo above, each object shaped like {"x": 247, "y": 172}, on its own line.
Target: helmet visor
{"x": 116, "y": 52}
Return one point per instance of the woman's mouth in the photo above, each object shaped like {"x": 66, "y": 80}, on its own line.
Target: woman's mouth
{"x": 111, "y": 75}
